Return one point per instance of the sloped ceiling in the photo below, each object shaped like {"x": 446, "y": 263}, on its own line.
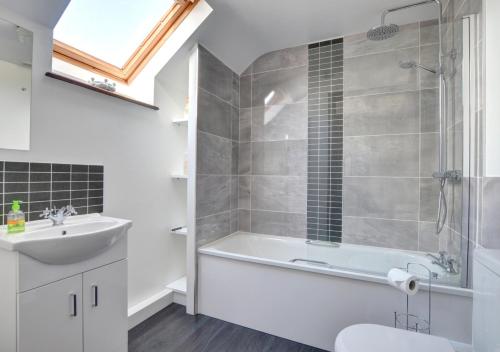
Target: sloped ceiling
{"x": 44, "y": 12}
{"x": 239, "y": 31}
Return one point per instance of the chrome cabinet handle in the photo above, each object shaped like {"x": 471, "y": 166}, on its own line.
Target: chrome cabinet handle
{"x": 73, "y": 305}
{"x": 95, "y": 295}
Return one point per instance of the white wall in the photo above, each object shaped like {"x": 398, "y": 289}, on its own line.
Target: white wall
{"x": 74, "y": 125}
{"x": 491, "y": 13}
{"x": 15, "y": 91}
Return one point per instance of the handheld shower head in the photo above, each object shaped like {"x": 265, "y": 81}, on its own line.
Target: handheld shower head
{"x": 382, "y": 32}
{"x": 406, "y": 65}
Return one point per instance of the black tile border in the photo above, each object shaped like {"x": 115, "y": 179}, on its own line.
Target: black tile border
{"x": 325, "y": 140}
{"x": 42, "y": 185}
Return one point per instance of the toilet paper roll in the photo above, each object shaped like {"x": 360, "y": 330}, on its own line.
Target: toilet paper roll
{"x": 403, "y": 281}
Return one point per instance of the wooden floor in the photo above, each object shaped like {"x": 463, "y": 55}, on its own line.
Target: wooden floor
{"x": 173, "y": 330}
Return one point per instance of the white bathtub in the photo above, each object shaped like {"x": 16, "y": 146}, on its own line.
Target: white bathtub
{"x": 346, "y": 259}
{"x": 308, "y": 293}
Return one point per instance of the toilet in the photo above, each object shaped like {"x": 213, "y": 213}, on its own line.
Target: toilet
{"x": 378, "y": 338}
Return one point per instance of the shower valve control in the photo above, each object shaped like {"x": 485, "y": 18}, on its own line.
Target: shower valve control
{"x": 452, "y": 175}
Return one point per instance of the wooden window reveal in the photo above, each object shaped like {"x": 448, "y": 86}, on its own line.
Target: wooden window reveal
{"x": 148, "y": 48}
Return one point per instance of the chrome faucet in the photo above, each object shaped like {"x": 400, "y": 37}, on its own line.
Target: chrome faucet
{"x": 58, "y": 216}
{"x": 444, "y": 261}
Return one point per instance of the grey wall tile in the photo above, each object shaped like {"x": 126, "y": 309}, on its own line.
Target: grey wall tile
{"x": 279, "y": 122}
{"x": 358, "y": 44}
{"x": 379, "y": 73}
{"x": 235, "y": 155}
{"x": 214, "y": 154}
{"x": 279, "y": 158}
{"x": 381, "y": 114}
{"x": 490, "y": 236}
{"x": 235, "y": 184}
{"x": 429, "y": 32}
{"x": 245, "y": 158}
{"x": 286, "y": 58}
{"x": 390, "y": 155}
{"x": 429, "y": 55}
{"x": 296, "y": 157}
{"x": 429, "y": 193}
{"x": 244, "y": 220}
{"x": 235, "y": 98}
{"x": 429, "y": 143}
{"x": 269, "y": 158}
{"x": 234, "y": 221}
{"x": 278, "y": 224}
{"x": 246, "y": 92}
{"x": 455, "y": 204}
{"x": 213, "y": 195}
{"x": 245, "y": 125}
{"x": 386, "y": 198}
{"x": 244, "y": 191}
{"x": 430, "y": 110}
{"x": 279, "y": 193}
{"x": 214, "y": 115}
{"x": 214, "y": 76}
{"x": 235, "y": 124}
{"x": 279, "y": 87}
{"x": 211, "y": 228}
{"x": 380, "y": 233}
{"x": 428, "y": 240}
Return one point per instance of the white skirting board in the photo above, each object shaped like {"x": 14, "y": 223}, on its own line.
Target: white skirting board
{"x": 179, "y": 287}
{"x": 149, "y": 307}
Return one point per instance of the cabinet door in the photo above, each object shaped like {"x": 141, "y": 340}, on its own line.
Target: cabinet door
{"x": 50, "y": 317}
{"x": 105, "y": 308}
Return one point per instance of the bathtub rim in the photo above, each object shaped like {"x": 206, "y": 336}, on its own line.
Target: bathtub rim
{"x": 207, "y": 250}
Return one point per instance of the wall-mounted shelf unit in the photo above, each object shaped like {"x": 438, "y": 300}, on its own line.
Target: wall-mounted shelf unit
{"x": 182, "y": 231}
{"x": 180, "y": 122}
{"x": 179, "y": 287}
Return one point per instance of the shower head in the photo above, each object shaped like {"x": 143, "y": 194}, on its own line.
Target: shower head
{"x": 382, "y": 32}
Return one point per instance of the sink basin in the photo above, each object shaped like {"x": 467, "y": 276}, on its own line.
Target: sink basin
{"x": 80, "y": 238}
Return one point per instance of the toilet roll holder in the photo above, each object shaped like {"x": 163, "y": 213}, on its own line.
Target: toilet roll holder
{"x": 412, "y": 322}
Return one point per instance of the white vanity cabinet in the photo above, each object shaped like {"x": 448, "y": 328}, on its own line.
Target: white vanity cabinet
{"x": 88, "y": 309}
{"x": 77, "y": 307}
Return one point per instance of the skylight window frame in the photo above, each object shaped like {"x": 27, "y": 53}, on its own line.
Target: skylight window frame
{"x": 169, "y": 22}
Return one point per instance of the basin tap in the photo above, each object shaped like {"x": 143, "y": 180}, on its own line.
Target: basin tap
{"x": 58, "y": 216}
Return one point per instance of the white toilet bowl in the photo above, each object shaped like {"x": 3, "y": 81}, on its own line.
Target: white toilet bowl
{"x": 378, "y": 338}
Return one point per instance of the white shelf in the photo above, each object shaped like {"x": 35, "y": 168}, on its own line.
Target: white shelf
{"x": 182, "y": 231}
{"x": 179, "y": 176}
{"x": 180, "y": 122}
{"x": 179, "y": 286}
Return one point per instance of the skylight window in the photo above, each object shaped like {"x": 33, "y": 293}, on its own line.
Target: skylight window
{"x": 110, "y": 30}
{"x": 116, "y": 38}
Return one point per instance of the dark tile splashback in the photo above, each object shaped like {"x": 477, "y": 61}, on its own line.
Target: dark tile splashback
{"x": 325, "y": 140}
{"x": 43, "y": 185}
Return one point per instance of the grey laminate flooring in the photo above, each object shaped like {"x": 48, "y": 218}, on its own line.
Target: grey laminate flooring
{"x": 172, "y": 330}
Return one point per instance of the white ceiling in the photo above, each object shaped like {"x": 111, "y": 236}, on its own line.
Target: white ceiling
{"x": 239, "y": 31}
{"x": 44, "y": 12}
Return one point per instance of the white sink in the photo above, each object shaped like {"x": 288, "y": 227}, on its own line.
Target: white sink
{"x": 80, "y": 238}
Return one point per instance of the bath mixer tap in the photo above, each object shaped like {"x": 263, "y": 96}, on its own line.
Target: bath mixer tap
{"x": 444, "y": 261}
{"x": 58, "y": 216}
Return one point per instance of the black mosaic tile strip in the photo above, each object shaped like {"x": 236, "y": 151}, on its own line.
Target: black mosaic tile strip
{"x": 325, "y": 140}
{"x": 45, "y": 185}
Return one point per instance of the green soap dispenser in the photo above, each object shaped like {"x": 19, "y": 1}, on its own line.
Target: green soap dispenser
{"x": 16, "y": 219}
